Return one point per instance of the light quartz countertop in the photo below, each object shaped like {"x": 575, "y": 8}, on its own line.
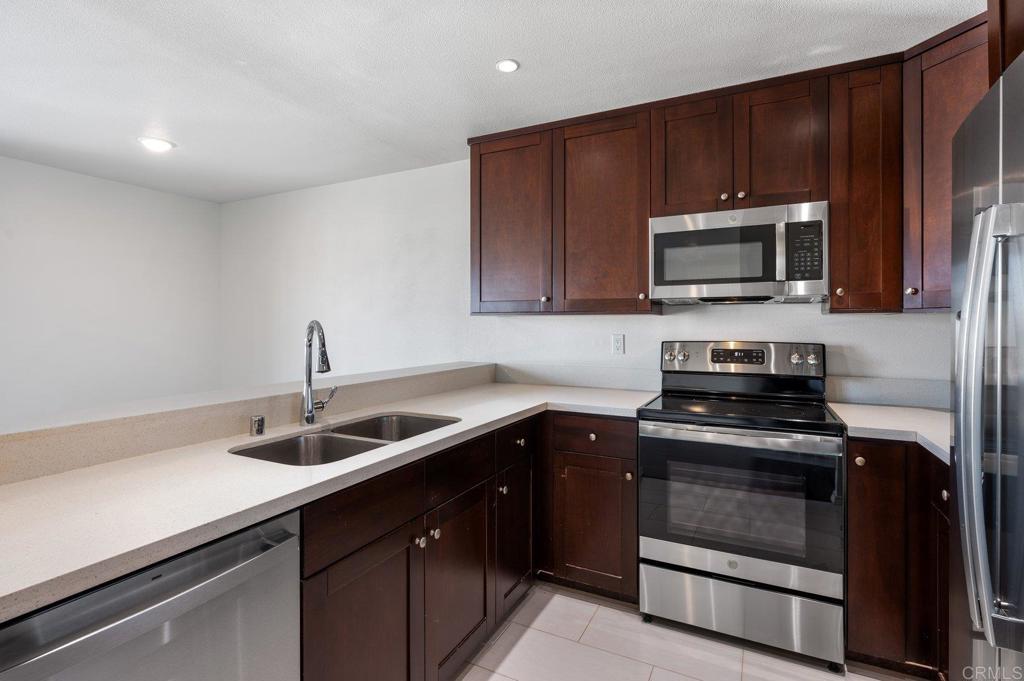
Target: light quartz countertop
{"x": 66, "y": 533}
{"x": 63, "y": 534}
{"x": 931, "y": 428}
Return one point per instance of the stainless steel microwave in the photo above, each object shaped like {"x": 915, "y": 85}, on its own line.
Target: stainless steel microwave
{"x": 773, "y": 254}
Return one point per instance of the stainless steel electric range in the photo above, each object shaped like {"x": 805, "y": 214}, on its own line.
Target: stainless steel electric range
{"x": 741, "y": 495}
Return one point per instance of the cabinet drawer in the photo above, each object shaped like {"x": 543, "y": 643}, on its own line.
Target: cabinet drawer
{"x": 514, "y": 444}
{"x": 593, "y": 435}
{"x": 337, "y": 525}
{"x": 456, "y": 470}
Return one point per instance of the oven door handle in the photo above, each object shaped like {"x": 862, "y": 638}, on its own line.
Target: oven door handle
{"x": 798, "y": 443}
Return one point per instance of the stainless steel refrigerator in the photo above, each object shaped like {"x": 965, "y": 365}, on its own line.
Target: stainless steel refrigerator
{"x": 986, "y": 585}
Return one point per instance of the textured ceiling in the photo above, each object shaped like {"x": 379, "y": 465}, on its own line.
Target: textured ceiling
{"x": 266, "y": 96}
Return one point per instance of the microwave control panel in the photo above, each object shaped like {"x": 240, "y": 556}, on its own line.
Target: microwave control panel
{"x": 805, "y": 251}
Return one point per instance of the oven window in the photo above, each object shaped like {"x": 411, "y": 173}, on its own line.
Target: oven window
{"x": 715, "y": 256}
{"x": 779, "y": 506}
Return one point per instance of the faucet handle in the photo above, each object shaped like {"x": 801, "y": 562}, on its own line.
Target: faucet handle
{"x": 320, "y": 405}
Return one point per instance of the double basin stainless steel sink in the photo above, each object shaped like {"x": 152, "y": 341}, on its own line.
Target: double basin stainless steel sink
{"x": 341, "y": 441}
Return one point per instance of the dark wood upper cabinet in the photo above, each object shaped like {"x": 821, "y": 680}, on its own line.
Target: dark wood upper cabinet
{"x": 362, "y": 618}
{"x": 510, "y": 197}
{"x": 941, "y": 86}
{"x": 691, "y": 157}
{"x": 780, "y": 144}
{"x": 876, "y": 559}
{"x": 866, "y": 231}
{"x": 595, "y": 531}
{"x": 459, "y": 581}
{"x": 1005, "y": 35}
{"x": 601, "y": 208}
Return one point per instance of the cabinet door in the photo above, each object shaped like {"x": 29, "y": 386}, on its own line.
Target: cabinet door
{"x": 459, "y": 580}
{"x": 1005, "y": 35}
{"x": 940, "y": 87}
{"x": 601, "y": 212}
{"x": 362, "y": 618}
{"x": 781, "y": 144}
{"x": 595, "y": 522}
{"x": 514, "y": 564}
{"x": 691, "y": 157}
{"x": 510, "y": 207}
{"x": 866, "y": 229}
{"x": 876, "y": 545}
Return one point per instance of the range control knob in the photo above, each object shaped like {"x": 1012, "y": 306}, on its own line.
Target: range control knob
{"x": 796, "y": 358}
{"x": 670, "y": 356}
{"x": 812, "y": 359}
{"x": 683, "y": 356}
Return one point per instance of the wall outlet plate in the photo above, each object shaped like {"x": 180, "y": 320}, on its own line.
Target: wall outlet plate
{"x": 618, "y": 343}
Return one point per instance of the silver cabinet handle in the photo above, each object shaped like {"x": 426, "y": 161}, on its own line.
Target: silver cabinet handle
{"x": 840, "y": 292}
{"x": 436, "y": 534}
{"x": 741, "y": 195}
{"x": 521, "y": 442}
{"x": 593, "y": 437}
{"x": 642, "y": 296}
{"x": 629, "y": 476}
{"x": 945, "y": 495}
{"x": 544, "y": 299}
{"x": 724, "y": 196}
{"x": 860, "y": 461}
{"x": 912, "y": 291}
{"x": 421, "y": 542}
{"x": 503, "y": 489}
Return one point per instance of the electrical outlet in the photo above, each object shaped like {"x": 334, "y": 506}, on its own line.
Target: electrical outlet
{"x": 618, "y": 343}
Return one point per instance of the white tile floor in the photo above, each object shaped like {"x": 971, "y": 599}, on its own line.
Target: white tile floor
{"x": 562, "y": 635}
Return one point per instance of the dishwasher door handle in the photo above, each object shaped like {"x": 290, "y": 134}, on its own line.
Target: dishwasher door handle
{"x": 113, "y": 634}
{"x": 797, "y": 443}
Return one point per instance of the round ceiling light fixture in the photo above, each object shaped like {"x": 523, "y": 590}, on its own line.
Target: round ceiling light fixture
{"x": 507, "y": 65}
{"x": 156, "y": 144}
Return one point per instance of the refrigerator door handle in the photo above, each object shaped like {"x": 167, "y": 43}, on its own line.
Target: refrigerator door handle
{"x": 996, "y": 224}
{"x": 961, "y": 452}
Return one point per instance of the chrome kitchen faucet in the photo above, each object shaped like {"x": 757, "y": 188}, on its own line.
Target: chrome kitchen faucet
{"x": 310, "y": 406}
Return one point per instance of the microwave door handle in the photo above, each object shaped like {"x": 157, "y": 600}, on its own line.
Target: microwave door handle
{"x": 108, "y": 636}
{"x": 780, "y": 251}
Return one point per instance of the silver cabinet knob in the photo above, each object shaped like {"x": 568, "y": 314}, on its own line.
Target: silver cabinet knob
{"x": 544, "y": 299}
{"x": 642, "y": 296}
{"x": 912, "y": 291}
{"x": 421, "y": 542}
{"x": 840, "y": 292}
{"x": 724, "y": 196}
{"x": 503, "y": 489}
{"x": 521, "y": 442}
{"x": 629, "y": 476}
{"x": 741, "y": 195}
{"x": 860, "y": 461}
{"x": 436, "y": 534}
{"x": 593, "y": 437}
{"x": 945, "y": 495}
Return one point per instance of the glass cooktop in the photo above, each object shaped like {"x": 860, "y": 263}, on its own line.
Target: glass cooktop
{"x": 810, "y": 416}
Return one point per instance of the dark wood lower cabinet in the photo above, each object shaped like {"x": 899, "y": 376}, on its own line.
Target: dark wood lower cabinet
{"x": 514, "y": 518}
{"x": 595, "y": 531}
{"x": 362, "y": 618}
{"x": 459, "y": 582}
{"x": 897, "y": 557}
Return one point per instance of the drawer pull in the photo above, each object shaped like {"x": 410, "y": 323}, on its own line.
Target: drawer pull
{"x": 503, "y": 489}
{"x": 860, "y": 461}
{"x": 521, "y": 442}
{"x": 945, "y": 495}
{"x": 436, "y": 534}
{"x": 593, "y": 437}
{"x": 629, "y": 476}
{"x": 421, "y": 542}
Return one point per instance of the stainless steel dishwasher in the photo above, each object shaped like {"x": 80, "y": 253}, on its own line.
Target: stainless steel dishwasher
{"x": 228, "y": 611}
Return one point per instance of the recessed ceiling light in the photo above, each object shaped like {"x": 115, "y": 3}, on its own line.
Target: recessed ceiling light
{"x": 157, "y": 145}
{"x": 507, "y": 65}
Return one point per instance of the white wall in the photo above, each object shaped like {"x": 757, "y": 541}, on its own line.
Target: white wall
{"x": 384, "y": 264}
{"x": 109, "y": 293}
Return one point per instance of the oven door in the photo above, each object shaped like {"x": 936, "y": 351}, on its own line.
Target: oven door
{"x": 758, "y": 506}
